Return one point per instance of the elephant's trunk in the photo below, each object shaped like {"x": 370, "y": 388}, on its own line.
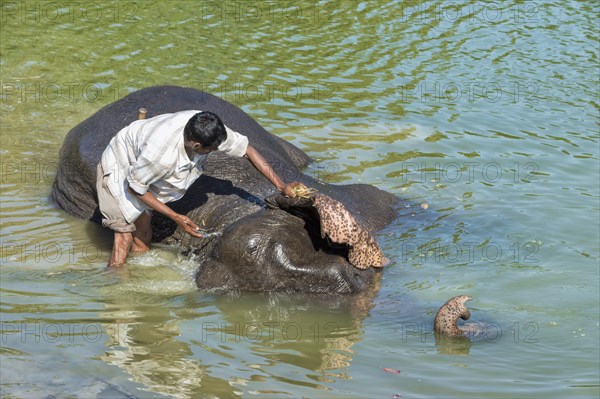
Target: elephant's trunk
{"x": 445, "y": 322}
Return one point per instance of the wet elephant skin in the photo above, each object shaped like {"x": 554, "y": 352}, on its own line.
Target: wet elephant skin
{"x": 256, "y": 248}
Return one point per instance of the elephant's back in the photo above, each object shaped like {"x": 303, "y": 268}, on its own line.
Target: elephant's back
{"x": 168, "y": 99}
{"x": 74, "y": 187}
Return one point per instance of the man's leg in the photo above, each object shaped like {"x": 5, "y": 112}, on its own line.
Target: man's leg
{"x": 143, "y": 233}
{"x": 113, "y": 218}
{"x": 121, "y": 247}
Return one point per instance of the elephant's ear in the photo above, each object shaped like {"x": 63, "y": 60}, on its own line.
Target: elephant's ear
{"x": 336, "y": 221}
{"x": 341, "y": 227}
{"x": 367, "y": 253}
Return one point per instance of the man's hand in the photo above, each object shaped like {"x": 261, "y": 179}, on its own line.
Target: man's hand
{"x": 186, "y": 223}
{"x": 288, "y": 189}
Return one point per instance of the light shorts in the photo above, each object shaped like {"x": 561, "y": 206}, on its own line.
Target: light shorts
{"x": 113, "y": 217}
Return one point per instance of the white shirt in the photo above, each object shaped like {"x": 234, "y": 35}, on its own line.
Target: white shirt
{"x": 149, "y": 155}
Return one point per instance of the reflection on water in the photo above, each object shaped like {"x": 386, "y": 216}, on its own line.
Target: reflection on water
{"x": 188, "y": 344}
{"x": 456, "y": 346}
{"x": 225, "y": 342}
{"x": 153, "y": 356}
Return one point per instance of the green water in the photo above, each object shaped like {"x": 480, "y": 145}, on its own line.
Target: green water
{"x": 486, "y": 112}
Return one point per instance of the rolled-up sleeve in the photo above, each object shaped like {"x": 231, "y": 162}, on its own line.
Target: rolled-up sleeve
{"x": 235, "y": 145}
{"x": 143, "y": 173}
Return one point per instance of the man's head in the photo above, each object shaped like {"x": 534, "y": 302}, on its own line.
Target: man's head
{"x": 206, "y": 131}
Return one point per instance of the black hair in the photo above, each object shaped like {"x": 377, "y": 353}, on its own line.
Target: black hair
{"x": 206, "y": 128}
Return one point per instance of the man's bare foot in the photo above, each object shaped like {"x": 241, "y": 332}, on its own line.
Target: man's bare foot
{"x": 139, "y": 247}
{"x": 121, "y": 246}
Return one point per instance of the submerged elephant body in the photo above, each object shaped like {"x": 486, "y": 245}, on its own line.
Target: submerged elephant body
{"x": 254, "y": 248}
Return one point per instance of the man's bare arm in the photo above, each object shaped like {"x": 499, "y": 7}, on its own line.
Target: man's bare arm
{"x": 186, "y": 223}
{"x": 267, "y": 170}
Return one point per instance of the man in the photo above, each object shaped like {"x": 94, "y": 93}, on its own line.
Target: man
{"x": 154, "y": 161}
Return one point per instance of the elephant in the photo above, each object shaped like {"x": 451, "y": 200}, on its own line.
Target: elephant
{"x": 445, "y": 324}
{"x": 249, "y": 244}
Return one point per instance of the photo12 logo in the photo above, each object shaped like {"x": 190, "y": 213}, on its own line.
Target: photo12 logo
{"x": 53, "y": 252}
{"x": 469, "y": 172}
{"x": 270, "y": 331}
{"x": 454, "y": 92}
{"x": 525, "y": 333}
{"x": 57, "y": 332}
{"x": 259, "y": 11}
{"x": 471, "y": 252}
{"x": 247, "y": 92}
{"x": 60, "y": 12}
{"x": 36, "y": 91}
{"x": 427, "y": 12}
